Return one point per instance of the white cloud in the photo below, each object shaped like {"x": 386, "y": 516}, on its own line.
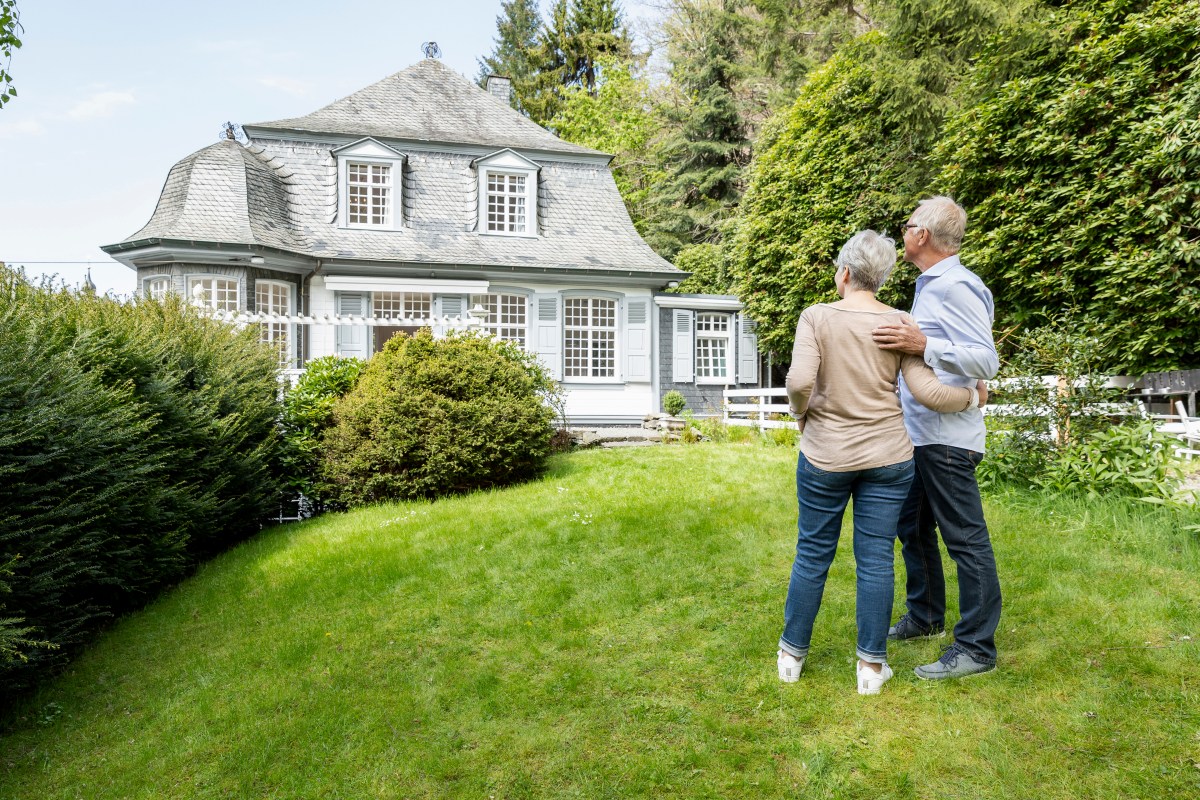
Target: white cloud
{"x": 101, "y": 104}
{"x": 24, "y": 127}
{"x": 287, "y": 85}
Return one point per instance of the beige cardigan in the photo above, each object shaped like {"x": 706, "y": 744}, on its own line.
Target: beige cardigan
{"x": 842, "y": 389}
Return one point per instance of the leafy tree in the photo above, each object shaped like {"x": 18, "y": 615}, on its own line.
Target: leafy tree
{"x": 621, "y": 118}
{"x": 10, "y": 25}
{"x": 1079, "y": 164}
{"x": 852, "y": 153}
{"x": 516, "y": 42}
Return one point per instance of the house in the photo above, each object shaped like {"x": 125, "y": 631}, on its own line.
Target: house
{"x": 425, "y": 200}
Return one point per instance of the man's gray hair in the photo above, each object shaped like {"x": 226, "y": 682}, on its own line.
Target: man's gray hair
{"x": 870, "y": 258}
{"x": 945, "y": 220}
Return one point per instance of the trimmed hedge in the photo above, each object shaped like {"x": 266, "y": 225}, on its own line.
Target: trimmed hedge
{"x": 135, "y": 440}
{"x": 432, "y": 417}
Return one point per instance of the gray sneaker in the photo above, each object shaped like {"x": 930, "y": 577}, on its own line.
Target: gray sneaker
{"x": 907, "y": 628}
{"x": 954, "y": 663}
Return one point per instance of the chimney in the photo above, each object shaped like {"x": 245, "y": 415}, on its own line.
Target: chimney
{"x": 500, "y": 88}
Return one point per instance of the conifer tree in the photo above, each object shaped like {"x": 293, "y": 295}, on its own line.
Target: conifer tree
{"x": 516, "y": 43}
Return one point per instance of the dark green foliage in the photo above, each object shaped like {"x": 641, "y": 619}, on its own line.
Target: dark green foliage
{"x": 307, "y": 413}
{"x": 708, "y": 146}
{"x": 432, "y": 417}
{"x": 1079, "y": 164}
{"x": 135, "y": 439}
{"x": 830, "y": 170}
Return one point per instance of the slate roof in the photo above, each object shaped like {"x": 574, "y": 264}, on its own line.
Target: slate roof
{"x": 223, "y": 193}
{"x": 284, "y": 194}
{"x": 428, "y": 102}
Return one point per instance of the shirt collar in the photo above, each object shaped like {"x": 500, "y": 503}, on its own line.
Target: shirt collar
{"x": 942, "y": 267}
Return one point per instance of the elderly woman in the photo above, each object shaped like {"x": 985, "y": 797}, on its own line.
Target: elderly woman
{"x": 842, "y": 389}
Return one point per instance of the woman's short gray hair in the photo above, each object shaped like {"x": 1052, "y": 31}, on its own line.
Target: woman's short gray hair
{"x": 870, "y": 258}
{"x": 945, "y": 220}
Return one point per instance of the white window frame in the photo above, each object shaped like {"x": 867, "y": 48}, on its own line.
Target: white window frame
{"x": 268, "y": 334}
{"x": 410, "y": 305}
{"x": 508, "y": 163}
{"x": 148, "y": 285}
{"x": 210, "y": 300}
{"x": 370, "y": 153}
{"x": 498, "y": 303}
{"x": 590, "y": 328}
{"x": 705, "y": 334}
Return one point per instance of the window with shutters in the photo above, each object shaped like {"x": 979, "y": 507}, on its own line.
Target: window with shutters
{"x": 589, "y": 337}
{"x": 713, "y": 347}
{"x": 415, "y": 306}
{"x": 506, "y": 316}
{"x": 275, "y": 297}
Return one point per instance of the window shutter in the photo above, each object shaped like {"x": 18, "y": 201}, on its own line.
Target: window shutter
{"x": 637, "y": 340}
{"x": 747, "y": 350}
{"x": 547, "y": 332}
{"x": 352, "y": 340}
{"x": 682, "y": 342}
{"x": 449, "y": 305}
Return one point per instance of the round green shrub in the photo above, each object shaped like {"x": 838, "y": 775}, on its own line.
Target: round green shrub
{"x": 430, "y": 417}
{"x": 673, "y": 402}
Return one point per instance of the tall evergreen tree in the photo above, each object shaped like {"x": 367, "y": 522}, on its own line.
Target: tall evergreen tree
{"x": 516, "y": 43}
{"x": 575, "y": 37}
{"x": 709, "y": 146}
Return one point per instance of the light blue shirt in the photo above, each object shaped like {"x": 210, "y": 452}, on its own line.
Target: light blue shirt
{"x": 955, "y": 312}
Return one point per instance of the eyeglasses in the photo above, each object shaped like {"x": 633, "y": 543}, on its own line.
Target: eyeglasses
{"x": 907, "y": 226}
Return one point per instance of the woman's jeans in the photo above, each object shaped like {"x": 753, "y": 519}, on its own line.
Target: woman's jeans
{"x": 878, "y": 495}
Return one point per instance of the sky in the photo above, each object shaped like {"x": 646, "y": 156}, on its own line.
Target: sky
{"x": 112, "y": 94}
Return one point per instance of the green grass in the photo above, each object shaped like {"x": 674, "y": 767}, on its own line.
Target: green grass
{"x": 610, "y": 632}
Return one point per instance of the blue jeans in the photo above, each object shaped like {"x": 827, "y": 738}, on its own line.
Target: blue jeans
{"x": 945, "y": 494}
{"x": 878, "y": 494}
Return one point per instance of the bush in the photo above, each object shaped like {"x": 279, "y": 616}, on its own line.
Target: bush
{"x": 307, "y": 413}
{"x": 431, "y": 417}
{"x": 673, "y": 402}
{"x": 1079, "y": 435}
{"x": 135, "y": 439}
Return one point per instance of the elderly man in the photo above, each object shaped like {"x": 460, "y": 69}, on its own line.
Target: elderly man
{"x": 953, "y": 317}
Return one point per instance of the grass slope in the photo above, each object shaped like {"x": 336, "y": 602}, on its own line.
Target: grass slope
{"x": 610, "y": 632}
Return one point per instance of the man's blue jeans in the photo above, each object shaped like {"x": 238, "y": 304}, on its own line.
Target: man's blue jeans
{"x": 878, "y": 494}
{"x": 945, "y": 495}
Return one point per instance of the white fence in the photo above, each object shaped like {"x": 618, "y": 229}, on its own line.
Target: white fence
{"x": 757, "y": 408}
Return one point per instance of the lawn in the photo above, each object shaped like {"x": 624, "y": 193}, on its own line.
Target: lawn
{"x": 610, "y": 631}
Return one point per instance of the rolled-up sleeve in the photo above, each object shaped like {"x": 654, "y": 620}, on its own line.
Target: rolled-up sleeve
{"x": 965, "y": 317}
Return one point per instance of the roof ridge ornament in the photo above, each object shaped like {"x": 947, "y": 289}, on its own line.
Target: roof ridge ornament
{"x": 233, "y": 131}
{"x": 431, "y": 50}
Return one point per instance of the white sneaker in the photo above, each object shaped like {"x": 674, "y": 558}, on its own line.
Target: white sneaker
{"x": 870, "y": 681}
{"x": 789, "y": 667}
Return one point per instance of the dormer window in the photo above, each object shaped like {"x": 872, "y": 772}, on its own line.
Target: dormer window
{"x": 507, "y": 194}
{"x": 506, "y": 198}
{"x": 370, "y": 185}
{"x": 369, "y": 193}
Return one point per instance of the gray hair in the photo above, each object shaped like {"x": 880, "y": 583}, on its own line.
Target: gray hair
{"x": 945, "y": 220}
{"x": 869, "y": 257}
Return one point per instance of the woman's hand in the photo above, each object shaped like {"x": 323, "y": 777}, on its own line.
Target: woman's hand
{"x": 983, "y": 393}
